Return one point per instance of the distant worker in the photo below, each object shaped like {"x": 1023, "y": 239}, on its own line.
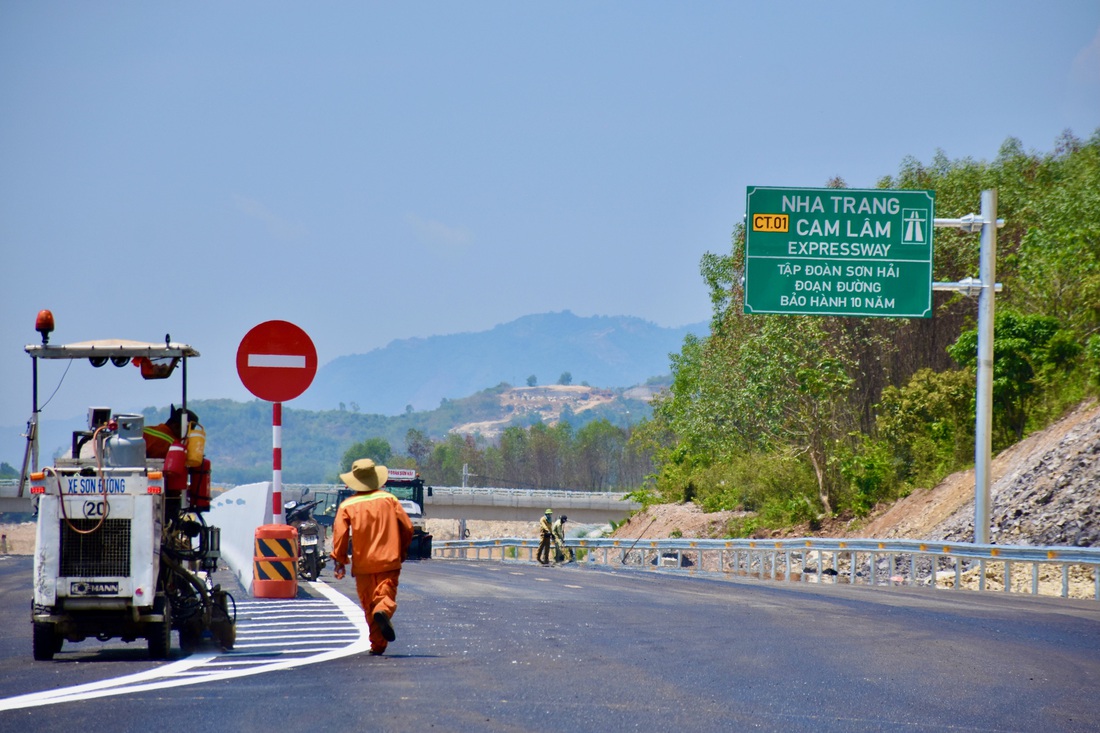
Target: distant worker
{"x": 561, "y": 552}
{"x": 546, "y": 536}
{"x": 382, "y": 531}
{"x": 159, "y": 437}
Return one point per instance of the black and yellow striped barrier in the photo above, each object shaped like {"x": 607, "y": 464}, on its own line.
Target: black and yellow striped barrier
{"x": 275, "y": 562}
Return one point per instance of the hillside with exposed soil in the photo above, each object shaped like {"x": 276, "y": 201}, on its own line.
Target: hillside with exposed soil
{"x": 1045, "y": 491}
{"x": 545, "y": 404}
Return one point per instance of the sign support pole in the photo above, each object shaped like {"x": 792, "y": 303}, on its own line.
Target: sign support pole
{"x": 277, "y": 463}
{"x": 983, "y": 426}
{"x": 985, "y": 287}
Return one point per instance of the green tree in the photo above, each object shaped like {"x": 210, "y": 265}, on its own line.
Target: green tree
{"x": 1027, "y": 350}
{"x": 418, "y": 445}
{"x": 532, "y": 380}
{"x": 758, "y": 384}
{"x": 600, "y": 450}
{"x": 1092, "y": 362}
{"x": 1059, "y": 257}
{"x": 565, "y": 379}
{"x": 514, "y": 458}
{"x": 449, "y": 456}
{"x": 929, "y": 424}
{"x": 377, "y": 449}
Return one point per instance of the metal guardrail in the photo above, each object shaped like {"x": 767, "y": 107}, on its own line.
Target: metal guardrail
{"x": 880, "y": 563}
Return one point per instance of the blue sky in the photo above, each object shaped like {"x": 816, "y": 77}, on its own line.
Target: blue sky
{"x": 375, "y": 171}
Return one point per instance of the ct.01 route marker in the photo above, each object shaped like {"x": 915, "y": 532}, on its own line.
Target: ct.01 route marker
{"x": 838, "y": 251}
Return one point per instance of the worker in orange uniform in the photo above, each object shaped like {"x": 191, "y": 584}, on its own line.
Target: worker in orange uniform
{"x": 381, "y": 530}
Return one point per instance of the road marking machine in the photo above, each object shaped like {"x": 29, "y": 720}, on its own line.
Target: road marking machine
{"x": 122, "y": 546}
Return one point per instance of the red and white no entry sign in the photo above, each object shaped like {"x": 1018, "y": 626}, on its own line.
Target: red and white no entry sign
{"x": 276, "y": 361}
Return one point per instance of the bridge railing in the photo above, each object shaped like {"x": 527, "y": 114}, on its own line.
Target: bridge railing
{"x": 1058, "y": 571}
{"x": 534, "y": 493}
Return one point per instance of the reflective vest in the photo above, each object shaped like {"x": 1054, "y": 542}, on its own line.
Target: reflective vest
{"x": 157, "y": 440}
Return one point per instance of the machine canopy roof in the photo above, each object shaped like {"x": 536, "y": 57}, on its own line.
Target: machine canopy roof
{"x": 110, "y": 348}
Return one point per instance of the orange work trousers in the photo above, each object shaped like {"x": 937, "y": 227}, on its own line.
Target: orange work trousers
{"x": 377, "y": 594}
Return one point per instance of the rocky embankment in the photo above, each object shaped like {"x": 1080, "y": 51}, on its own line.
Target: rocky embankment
{"x": 1045, "y": 491}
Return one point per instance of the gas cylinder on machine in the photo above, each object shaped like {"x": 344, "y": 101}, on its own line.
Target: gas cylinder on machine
{"x": 127, "y": 446}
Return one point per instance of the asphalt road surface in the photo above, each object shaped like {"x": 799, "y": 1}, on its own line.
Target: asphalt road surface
{"x": 517, "y": 647}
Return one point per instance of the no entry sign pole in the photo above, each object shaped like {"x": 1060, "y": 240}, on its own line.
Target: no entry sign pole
{"x": 277, "y": 463}
{"x": 276, "y": 361}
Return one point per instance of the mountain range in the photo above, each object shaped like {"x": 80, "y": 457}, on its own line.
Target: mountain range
{"x": 421, "y": 375}
{"x": 416, "y": 374}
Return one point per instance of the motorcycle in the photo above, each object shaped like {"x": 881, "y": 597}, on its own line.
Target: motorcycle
{"x": 311, "y": 538}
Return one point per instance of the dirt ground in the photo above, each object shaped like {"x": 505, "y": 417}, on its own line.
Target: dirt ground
{"x": 447, "y": 529}
{"x": 17, "y": 539}
{"x": 676, "y": 520}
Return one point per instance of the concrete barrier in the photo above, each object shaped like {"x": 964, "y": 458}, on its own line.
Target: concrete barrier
{"x": 238, "y": 512}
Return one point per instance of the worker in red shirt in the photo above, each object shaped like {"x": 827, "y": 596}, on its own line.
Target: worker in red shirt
{"x": 382, "y": 531}
{"x": 158, "y": 438}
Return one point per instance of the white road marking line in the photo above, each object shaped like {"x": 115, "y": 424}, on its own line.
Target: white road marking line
{"x": 179, "y": 674}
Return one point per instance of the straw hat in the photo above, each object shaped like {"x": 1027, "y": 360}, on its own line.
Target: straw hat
{"x": 365, "y": 475}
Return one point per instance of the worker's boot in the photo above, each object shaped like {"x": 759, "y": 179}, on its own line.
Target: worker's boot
{"x": 382, "y": 621}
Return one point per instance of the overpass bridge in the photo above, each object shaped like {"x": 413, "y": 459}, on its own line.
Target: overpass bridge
{"x": 456, "y": 502}
{"x": 507, "y": 504}
{"x": 583, "y": 507}
{"x": 10, "y": 500}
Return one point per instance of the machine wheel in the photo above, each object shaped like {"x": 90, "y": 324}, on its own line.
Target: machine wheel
{"x": 46, "y": 642}
{"x": 160, "y": 633}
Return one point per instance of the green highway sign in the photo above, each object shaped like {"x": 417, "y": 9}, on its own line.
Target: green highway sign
{"x": 839, "y": 252}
